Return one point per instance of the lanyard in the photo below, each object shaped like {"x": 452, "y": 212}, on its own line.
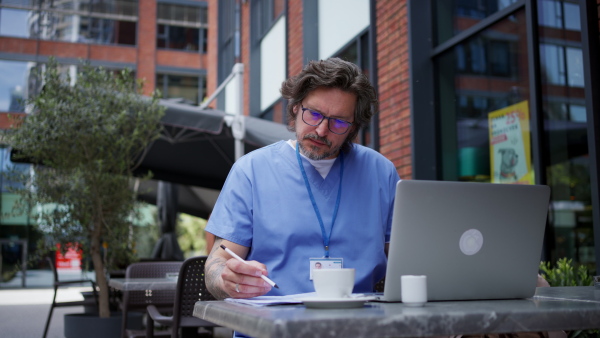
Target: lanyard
{"x": 324, "y": 234}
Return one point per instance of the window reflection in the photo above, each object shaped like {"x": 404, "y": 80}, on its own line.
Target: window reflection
{"x": 108, "y": 22}
{"x": 13, "y": 22}
{"x": 478, "y": 78}
{"x": 184, "y": 89}
{"x": 181, "y": 27}
{"x": 357, "y": 53}
{"x": 13, "y": 85}
{"x": 565, "y": 130}
{"x": 465, "y": 13}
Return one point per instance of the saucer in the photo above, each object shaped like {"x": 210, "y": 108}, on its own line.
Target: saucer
{"x": 335, "y": 303}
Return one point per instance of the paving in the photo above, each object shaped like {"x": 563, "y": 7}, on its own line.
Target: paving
{"x": 23, "y": 311}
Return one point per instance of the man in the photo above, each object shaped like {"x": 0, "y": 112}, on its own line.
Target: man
{"x": 317, "y": 198}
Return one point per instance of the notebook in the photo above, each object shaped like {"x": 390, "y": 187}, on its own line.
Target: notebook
{"x": 471, "y": 240}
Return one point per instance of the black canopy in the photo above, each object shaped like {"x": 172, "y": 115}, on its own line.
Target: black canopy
{"x": 197, "y": 146}
{"x": 196, "y": 150}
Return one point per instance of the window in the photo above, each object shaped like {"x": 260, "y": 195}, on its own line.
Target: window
{"x": 561, "y": 65}
{"x": 485, "y": 57}
{"x": 13, "y": 85}
{"x": 182, "y": 27}
{"x": 357, "y": 52}
{"x": 559, "y": 14}
{"x": 228, "y": 38}
{"x": 265, "y": 13}
{"x": 14, "y": 22}
{"x": 477, "y": 76}
{"x": 454, "y": 17}
{"x": 182, "y": 88}
{"x": 86, "y": 21}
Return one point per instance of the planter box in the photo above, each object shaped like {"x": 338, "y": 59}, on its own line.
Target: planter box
{"x": 89, "y": 325}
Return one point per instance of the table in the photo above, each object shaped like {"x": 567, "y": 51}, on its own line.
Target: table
{"x": 23, "y": 243}
{"x": 141, "y": 284}
{"x": 551, "y": 309}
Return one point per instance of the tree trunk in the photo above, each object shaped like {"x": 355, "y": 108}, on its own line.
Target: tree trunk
{"x": 103, "y": 305}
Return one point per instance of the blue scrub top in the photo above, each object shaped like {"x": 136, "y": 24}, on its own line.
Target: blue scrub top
{"x": 264, "y": 205}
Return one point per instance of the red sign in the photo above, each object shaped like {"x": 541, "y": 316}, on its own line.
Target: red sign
{"x": 71, "y": 260}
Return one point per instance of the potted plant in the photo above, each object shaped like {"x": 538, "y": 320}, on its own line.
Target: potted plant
{"x": 85, "y": 139}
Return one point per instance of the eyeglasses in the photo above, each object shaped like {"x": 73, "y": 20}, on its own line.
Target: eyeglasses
{"x": 314, "y": 118}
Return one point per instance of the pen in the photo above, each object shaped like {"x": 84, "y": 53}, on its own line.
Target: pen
{"x": 265, "y": 278}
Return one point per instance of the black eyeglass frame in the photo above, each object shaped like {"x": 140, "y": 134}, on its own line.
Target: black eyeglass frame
{"x": 323, "y": 117}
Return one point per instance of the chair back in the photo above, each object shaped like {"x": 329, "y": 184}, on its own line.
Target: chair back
{"x": 53, "y": 267}
{"x": 140, "y": 299}
{"x": 191, "y": 287}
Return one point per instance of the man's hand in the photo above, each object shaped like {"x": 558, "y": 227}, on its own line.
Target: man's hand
{"x": 228, "y": 277}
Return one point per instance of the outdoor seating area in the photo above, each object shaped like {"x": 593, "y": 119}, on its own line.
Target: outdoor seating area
{"x": 299, "y": 168}
{"x": 166, "y": 292}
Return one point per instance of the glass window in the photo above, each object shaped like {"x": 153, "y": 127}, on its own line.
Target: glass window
{"x": 265, "y": 13}
{"x": 182, "y": 27}
{"x": 565, "y": 132}
{"x": 185, "y": 89}
{"x": 182, "y": 38}
{"x": 552, "y": 64}
{"x": 8, "y": 169}
{"x": 561, "y": 65}
{"x": 13, "y": 22}
{"x": 559, "y": 14}
{"x": 465, "y": 13}
{"x": 357, "y": 52}
{"x": 482, "y": 82}
{"x": 86, "y": 21}
{"x": 13, "y": 85}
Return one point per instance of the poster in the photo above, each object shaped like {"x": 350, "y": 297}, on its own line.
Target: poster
{"x": 510, "y": 146}
{"x": 71, "y": 260}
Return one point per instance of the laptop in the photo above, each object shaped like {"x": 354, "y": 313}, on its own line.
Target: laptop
{"x": 471, "y": 240}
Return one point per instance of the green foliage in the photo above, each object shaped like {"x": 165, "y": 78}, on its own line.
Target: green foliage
{"x": 190, "y": 235}
{"x": 85, "y": 140}
{"x": 564, "y": 274}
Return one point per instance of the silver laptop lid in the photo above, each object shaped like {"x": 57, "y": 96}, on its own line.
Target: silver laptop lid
{"x": 471, "y": 240}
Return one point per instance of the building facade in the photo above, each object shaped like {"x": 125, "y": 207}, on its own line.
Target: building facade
{"x": 164, "y": 41}
{"x": 498, "y": 91}
{"x": 502, "y": 91}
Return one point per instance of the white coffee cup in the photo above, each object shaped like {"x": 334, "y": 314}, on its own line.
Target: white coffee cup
{"x": 333, "y": 283}
{"x": 414, "y": 290}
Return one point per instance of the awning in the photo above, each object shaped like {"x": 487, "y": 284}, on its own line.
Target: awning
{"x": 196, "y": 150}
{"x": 197, "y": 146}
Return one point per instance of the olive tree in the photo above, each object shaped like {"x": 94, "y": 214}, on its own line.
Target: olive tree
{"x": 85, "y": 138}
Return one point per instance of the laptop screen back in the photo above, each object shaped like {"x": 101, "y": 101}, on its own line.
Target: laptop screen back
{"x": 471, "y": 240}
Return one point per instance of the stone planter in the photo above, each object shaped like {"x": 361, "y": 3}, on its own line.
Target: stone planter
{"x": 89, "y": 325}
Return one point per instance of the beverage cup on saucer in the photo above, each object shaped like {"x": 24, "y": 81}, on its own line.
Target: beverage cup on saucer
{"x": 414, "y": 290}
{"x": 334, "y": 283}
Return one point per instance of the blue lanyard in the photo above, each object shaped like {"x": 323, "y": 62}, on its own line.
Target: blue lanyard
{"x": 324, "y": 234}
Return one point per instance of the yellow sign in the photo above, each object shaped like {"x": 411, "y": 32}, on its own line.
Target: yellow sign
{"x": 510, "y": 149}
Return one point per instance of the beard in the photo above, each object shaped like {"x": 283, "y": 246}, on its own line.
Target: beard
{"x": 314, "y": 152}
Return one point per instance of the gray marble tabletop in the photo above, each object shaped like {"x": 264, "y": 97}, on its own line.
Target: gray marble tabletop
{"x": 141, "y": 284}
{"x": 551, "y": 309}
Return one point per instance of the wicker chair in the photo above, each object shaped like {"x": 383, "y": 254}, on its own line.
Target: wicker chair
{"x": 138, "y": 300}
{"x": 57, "y": 284}
{"x": 190, "y": 289}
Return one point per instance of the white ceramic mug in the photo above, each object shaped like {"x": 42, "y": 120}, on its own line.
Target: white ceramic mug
{"x": 334, "y": 283}
{"x": 414, "y": 290}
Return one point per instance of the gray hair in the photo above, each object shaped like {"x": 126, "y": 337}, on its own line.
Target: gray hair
{"x": 332, "y": 73}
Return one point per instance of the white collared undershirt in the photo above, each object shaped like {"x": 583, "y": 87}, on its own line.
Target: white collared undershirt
{"x": 322, "y": 166}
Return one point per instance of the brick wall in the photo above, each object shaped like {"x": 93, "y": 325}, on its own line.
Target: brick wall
{"x": 245, "y": 53}
{"x": 212, "y": 52}
{"x": 295, "y": 40}
{"x": 146, "y": 57}
{"x": 394, "y": 84}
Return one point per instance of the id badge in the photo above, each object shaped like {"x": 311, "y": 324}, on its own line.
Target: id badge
{"x": 325, "y": 263}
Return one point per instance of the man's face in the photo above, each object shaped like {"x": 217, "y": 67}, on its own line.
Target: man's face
{"x": 318, "y": 142}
